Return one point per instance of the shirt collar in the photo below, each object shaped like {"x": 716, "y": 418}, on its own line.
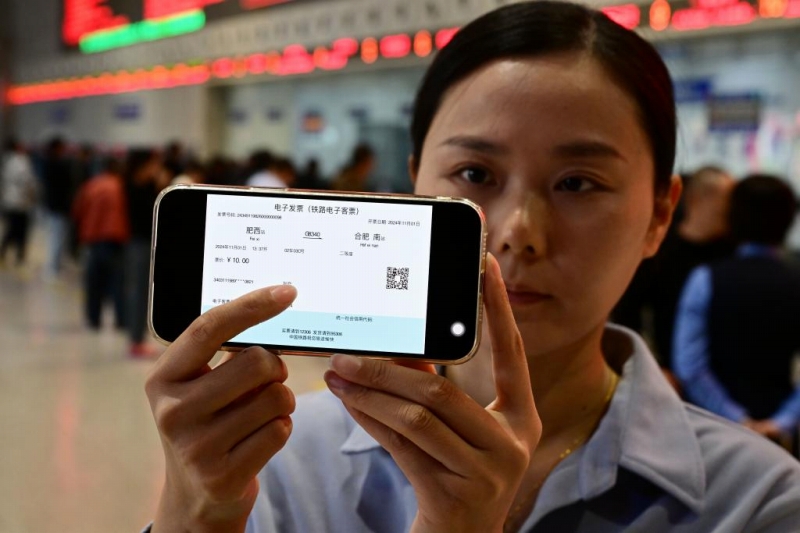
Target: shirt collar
{"x": 646, "y": 431}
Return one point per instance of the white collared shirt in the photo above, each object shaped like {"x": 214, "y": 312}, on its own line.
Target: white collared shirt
{"x": 654, "y": 464}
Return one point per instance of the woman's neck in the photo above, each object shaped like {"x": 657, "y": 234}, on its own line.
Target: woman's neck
{"x": 568, "y": 384}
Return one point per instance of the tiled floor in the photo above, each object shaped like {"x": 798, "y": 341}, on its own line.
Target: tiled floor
{"x": 78, "y": 448}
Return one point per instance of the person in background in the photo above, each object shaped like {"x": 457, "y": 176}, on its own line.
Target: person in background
{"x": 58, "y": 195}
{"x": 83, "y": 168}
{"x": 100, "y": 213}
{"x": 264, "y": 166}
{"x": 145, "y": 178}
{"x": 284, "y": 169}
{"x": 174, "y": 159}
{"x": 193, "y": 173}
{"x": 311, "y": 178}
{"x": 738, "y": 323}
{"x": 221, "y": 171}
{"x": 701, "y": 236}
{"x": 18, "y": 192}
{"x": 355, "y": 175}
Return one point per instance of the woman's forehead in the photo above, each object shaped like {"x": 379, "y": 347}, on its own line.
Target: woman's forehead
{"x": 551, "y": 95}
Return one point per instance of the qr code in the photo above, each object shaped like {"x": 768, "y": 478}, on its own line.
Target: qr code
{"x": 397, "y": 278}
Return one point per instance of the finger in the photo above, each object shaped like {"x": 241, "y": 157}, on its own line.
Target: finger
{"x": 416, "y": 365}
{"x": 509, "y": 364}
{"x": 449, "y": 403}
{"x": 189, "y": 355}
{"x": 413, "y": 421}
{"x": 245, "y": 371}
{"x": 415, "y": 464}
{"x": 252, "y": 453}
{"x": 239, "y": 421}
{"x": 226, "y": 356}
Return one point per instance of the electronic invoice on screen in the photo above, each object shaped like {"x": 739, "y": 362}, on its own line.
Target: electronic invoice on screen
{"x": 361, "y": 269}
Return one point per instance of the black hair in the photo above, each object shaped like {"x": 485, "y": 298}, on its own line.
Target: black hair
{"x": 361, "y": 153}
{"x": 531, "y": 29}
{"x": 137, "y": 158}
{"x": 12, "y": 144}
{"x": 173, "y": 148}
{"x": 261, "y": 160}
{"x": 762, "y": 210}
{"x": 113, "y": 165}
{"x": 55, "y": 145}
{"x": 194, "y": 166}
{"x": 284, "y": 164}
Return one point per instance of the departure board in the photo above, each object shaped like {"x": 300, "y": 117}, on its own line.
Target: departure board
{"x": 97, "y": 25}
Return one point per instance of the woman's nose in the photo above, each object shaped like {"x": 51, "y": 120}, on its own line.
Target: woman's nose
{"x": 520, "y": 229}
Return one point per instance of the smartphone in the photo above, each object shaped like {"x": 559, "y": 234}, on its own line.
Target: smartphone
{"x": 385, "y": 276}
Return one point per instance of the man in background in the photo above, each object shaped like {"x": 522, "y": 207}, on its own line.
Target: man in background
{"x": 58, "y": 195}
{"x": 17, "y": 197}
{"x": 266, "y": 171}
{"x": 193, "y": 174}
{"x": 700, "y": 237}
{"x": 355, "y": 175}
{"x": 738, "y": 324}
{"x": 101, "y": 217}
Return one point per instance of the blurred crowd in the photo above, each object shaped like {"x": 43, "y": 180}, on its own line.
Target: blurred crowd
{"x": 97, "y": 209}
{"x": 719, "y": 304}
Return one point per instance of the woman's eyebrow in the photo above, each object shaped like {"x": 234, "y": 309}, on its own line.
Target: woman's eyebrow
{"x": 578, "y": 149}
{"x": 476, "y": 144}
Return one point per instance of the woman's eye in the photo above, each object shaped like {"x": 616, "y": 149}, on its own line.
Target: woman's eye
{"x": 475, "y": 175}
{"x": 574, "y": 185}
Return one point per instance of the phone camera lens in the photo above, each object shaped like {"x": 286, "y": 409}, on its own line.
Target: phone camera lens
{"x": 458, "y": 329}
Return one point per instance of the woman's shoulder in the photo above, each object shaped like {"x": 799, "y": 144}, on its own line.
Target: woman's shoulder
{"x": 746, "y": 472}
{"x": 721, "y": 439}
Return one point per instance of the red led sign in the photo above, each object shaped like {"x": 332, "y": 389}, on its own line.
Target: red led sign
{"x": 707, "y": 13}
{"x": 627, "y": 15}
{"x": 154, "y": 9}
{"x": 394, "y": 46}
{"x": 294, "y": 59}
{"x": 297, "y": 59}
{"x": 82, "y": 17}
{"x": 702, "y": 14}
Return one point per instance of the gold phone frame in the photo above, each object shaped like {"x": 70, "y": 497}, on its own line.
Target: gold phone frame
{"x": 287, "y": 192}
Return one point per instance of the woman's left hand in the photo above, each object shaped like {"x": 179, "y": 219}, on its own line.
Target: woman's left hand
{"x": 464, "y": 461}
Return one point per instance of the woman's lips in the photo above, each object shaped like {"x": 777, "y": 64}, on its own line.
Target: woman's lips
{"x": 523, "y": 297}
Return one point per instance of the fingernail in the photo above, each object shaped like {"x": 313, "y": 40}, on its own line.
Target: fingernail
{"x": 335, "y": 382}
{"x": 283, "y": 294}
{"x": 345, "y": 364}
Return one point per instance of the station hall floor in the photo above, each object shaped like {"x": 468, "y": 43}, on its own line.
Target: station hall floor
{"x": 79, "y": 451}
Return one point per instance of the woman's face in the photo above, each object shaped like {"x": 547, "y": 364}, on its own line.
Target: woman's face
{"x": 553, "y": 151}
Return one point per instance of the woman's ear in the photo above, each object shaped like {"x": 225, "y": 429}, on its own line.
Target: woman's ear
{"x": 663, "y": 210}
{"x": 413, "y": 168}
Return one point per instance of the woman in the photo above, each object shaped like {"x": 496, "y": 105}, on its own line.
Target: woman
{"x": 561, "y": 125}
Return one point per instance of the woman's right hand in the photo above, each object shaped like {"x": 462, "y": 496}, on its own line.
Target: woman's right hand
{"x": 219, "y": 426}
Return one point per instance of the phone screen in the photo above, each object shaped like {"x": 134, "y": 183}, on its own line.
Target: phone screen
{"x": 361, "y": 269}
